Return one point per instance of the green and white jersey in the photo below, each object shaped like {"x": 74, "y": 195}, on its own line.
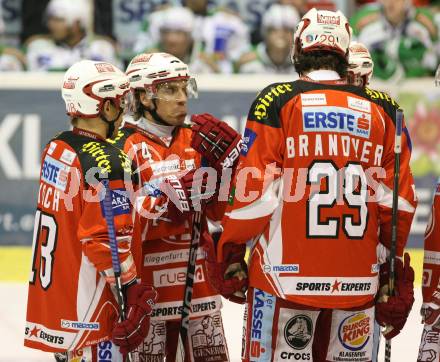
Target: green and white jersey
{"x": 263, "y": 64}
{"x": 407, "y": 50}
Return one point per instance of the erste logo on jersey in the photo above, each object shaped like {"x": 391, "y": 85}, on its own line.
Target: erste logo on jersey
{"x": 336, "y": 119}
{"x": 354, "y": 331}
{"x": 54, "y": 173}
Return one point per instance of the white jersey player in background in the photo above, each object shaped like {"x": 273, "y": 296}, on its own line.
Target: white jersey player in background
{"x": 272, "y": 55}
{"x": 209, "y": 44}
{"x": 68, "y": 40}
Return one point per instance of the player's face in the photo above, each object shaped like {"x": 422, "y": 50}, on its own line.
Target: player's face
{"x": 197, "y": 6}
{"x": 177, "y": 43}
{"x": 172, "y": 101}
{"x": 355, "y": 79}
{"x": 298, "y": 4}
{"x": 279, "y": 43}
{"x": 394, "y": 10}
{"x": 58, "y": 28}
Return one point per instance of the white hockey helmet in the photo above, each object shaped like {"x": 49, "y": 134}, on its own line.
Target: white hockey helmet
{"x": 147, "y": 70}
{"x": 322, "y": 30}
{"x": 360, "y": 67}
{"x": 88, "y": 84}
{"x": 70, "y": 11}
{"x": 177, "y": 18}
{"x": 280, "y": 16}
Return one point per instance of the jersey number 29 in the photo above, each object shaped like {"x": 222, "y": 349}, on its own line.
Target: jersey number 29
{"x": 351, "y": 182}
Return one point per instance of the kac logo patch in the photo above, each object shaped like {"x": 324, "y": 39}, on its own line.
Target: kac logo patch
{"x": 298, "y": 331}
{"x": 248, "y": 140}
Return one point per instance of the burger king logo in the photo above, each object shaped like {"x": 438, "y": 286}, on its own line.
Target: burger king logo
{"x": 354, "y": 331}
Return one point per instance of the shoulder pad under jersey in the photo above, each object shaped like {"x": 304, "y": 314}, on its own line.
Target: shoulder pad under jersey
{"x": 384, "y": 100}
{"x": 121, "y": 137}
{"x": 98, "y": 154}
{"x": 266, "y": 107}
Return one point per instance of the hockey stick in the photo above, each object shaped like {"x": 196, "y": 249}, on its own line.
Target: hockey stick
{"x": 90, "y": 27}
{"x": 107, "y": 210}
{"x": 397, "y": 151}
{"x": 187, "y": 296}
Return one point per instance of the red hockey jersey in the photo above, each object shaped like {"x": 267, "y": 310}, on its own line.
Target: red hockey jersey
{"x": 314, "y": 190}
{"x": 164, "y": 243}
{"x": 431, "y": 262}
{"x": 70, "y": 303}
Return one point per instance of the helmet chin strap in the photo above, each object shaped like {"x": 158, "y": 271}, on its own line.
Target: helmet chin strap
{"x": 156, "y": 117}
{"x": 111, "y": 123}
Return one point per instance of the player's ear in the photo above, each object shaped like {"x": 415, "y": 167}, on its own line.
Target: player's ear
{"x": 107, "y": 107}
{"x": 145, "y": 99}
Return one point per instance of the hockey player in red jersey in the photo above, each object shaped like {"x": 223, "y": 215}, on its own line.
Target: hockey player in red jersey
{"x": 168, "y": 156}
{"x": 71, "y": 308}
{"x": 313, "y": 189}
{"x": 429, "y": 349}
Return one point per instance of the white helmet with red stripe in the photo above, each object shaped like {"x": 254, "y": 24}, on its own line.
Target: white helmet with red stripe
{"x": 147, "y": 70}
{"x": 87, "y": 84}
{"x": 322, "y": 30}
{"x": 360, "y": 66}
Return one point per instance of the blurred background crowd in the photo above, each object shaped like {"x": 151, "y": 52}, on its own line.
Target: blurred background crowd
{"x": 212, "y": 36}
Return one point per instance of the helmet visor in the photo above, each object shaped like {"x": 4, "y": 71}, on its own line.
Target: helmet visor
{"x": 174, "y": 90}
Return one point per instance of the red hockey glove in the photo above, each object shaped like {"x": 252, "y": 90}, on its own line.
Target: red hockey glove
{"x": 431, "y": 311}
{"x": 393, "y": 311}
{"x": 129, "y": 333}
{"x": 215, "y": 141}
{"x": 229, "y": 278}
{"x": 190, "y": 192}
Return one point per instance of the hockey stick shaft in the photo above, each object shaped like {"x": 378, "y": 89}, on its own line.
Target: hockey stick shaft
{"x": 116, "y": 264}
{"x": 91, "y": 23}
{"x": 108, "y": 215}
{"x": 187, "y": 296}
{"x": 395, "y": 204}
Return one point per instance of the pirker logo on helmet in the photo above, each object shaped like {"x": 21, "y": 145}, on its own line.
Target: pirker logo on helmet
{"x": 322, "y": 30}
{"x": 104, "y": 67}
{"x": 328, "y": 19}
{"x": 142, "y": 58}
{"x": 70, "y": 83}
